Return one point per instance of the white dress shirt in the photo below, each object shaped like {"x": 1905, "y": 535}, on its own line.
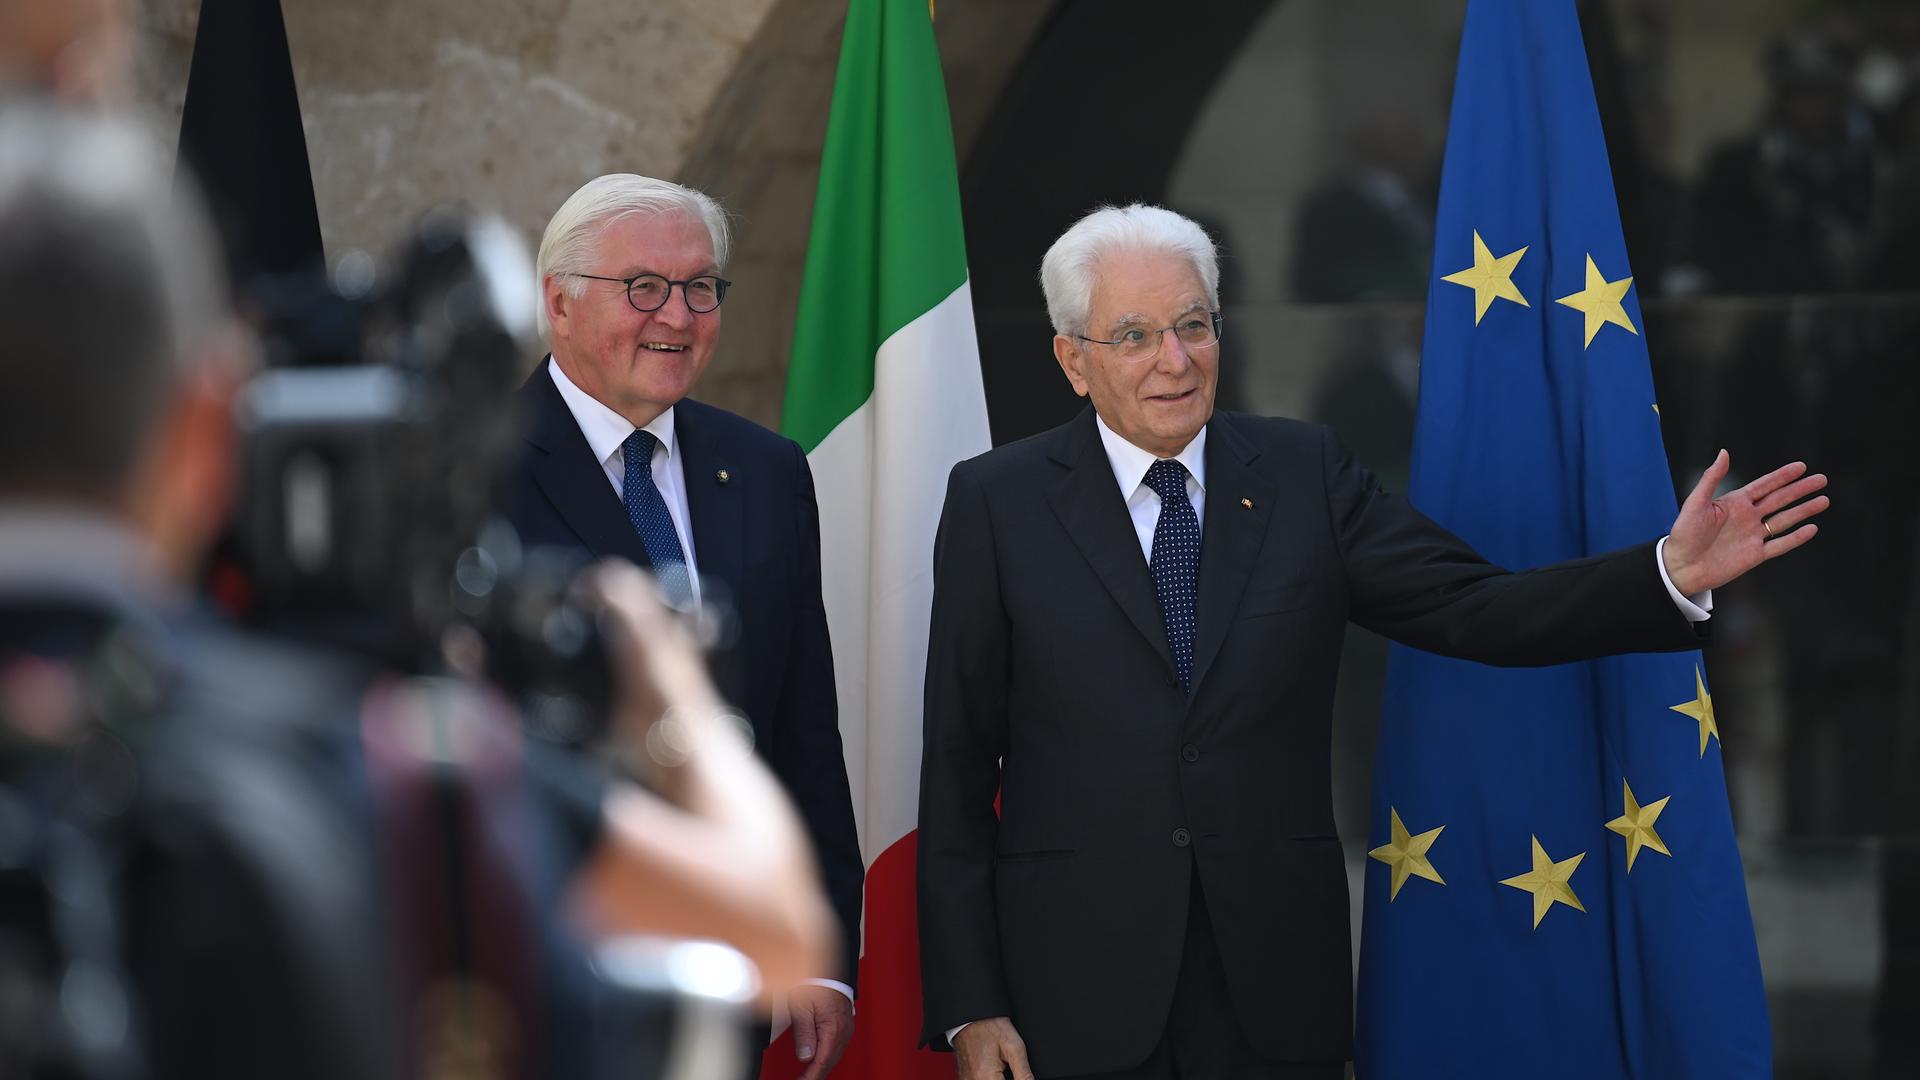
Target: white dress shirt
{"x": 606, "y": 432}
{"x": 1130, "y": 465}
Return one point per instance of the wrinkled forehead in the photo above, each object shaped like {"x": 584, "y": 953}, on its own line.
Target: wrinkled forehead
{"x": 655, "y": 241}
{"x": 1148, "y": 285}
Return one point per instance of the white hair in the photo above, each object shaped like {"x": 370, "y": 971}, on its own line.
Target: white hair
{"x": 570, "y": 243}
{"x": 1069, "y": 271}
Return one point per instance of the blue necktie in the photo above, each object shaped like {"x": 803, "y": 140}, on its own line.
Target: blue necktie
{"x": 1176, "y": 562}
{"x": 648, "y": 512}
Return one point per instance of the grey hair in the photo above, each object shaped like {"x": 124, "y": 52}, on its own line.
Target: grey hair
{"x": 110, "y": 290}
{"x": 1070, "y": 269}
{"x": 570, "y": 243}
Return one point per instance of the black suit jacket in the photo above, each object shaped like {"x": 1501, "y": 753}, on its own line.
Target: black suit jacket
{"x": 756, "y": 535}
{"x": 1049, "y": 681}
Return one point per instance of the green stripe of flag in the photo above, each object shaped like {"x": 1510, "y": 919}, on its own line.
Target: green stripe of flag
{"x": 887, "y": 243}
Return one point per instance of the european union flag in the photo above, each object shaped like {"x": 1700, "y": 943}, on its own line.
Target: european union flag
{"x": 1554, "y": 888}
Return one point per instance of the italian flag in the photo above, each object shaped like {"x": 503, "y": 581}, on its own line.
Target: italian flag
{"x": 884, "y": 393}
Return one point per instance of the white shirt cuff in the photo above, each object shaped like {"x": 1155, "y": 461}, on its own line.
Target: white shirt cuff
{"x": 831, "y": 984}
{"x": 951, "y": 1032}
{"x": 1699, "y": 606}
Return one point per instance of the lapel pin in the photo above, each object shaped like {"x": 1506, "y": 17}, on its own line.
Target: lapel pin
{"x": 723, "y": 476}
{"x": 1248, "y": 503}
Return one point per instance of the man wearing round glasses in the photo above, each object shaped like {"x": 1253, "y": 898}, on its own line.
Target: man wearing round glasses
{"x": 620, "y": 463}
{"x": 1127, "y": 860}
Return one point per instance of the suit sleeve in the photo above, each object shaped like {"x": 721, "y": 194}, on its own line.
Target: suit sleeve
{"x": 964, "y": 738}
{"x": 807, "y": 754}
{"x": 1415, "y": 582}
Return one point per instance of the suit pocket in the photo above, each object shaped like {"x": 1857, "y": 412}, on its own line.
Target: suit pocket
{"x": 1275, "y": 599}
{"x": 1040, "y": 855}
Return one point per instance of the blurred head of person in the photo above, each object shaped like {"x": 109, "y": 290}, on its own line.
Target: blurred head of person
{"x": 78, "y": 51}
{"x": 117, "y": 356}
{"x": 1810, "y": 79}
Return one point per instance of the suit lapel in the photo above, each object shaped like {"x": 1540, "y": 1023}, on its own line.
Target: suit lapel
{"x": 719, "y": 529}
{"x": 1230, "y": 538}
{"x": 1087, "y": 500}
{"x": 571, "y": 477}
{"x": 719, "y": 516}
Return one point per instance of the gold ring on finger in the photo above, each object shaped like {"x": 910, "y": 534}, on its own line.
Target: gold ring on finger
{"x": 1767, "y": 525}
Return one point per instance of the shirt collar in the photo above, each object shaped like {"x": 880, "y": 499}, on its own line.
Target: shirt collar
{"x": 1130, "y": 463}
{"x": 605, "y": 429}
{"x": 76, "y": 550}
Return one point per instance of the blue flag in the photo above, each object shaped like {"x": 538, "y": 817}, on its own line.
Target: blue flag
{"x": 1554, "y": 888}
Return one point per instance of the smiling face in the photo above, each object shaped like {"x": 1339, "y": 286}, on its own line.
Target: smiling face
{"x": 637, "y": 363}
{"x": 1158, "y": 404}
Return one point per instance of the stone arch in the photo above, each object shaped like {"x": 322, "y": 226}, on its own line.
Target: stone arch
{"x": 758, "y": 150}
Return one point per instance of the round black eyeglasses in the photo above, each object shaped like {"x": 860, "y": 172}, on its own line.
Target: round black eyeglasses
{"x": 649, "y": 292}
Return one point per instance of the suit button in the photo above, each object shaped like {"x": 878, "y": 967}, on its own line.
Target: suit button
{"x": 1190, "y": 753}
{"x": 1181, "y": 838}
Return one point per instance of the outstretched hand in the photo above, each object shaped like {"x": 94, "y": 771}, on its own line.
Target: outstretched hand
{"x": 1715, "y": 541}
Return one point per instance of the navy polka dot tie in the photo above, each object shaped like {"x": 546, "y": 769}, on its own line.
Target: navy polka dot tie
{"x": 1176, "y": 562}
{"x": 648, "y": 512}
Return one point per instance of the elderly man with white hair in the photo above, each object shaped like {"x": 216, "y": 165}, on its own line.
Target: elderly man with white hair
{"x": 618, "y": 462}
{"x": 1128, "y": 866}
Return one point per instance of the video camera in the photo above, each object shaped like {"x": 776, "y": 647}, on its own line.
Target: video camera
{"x": 370, "y": 442}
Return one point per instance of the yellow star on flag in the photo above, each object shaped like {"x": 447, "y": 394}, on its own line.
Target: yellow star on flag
{"x": 1407, "y": 855}
{"x": 1600, "y": 301}
{"x": 1489, "y": 278}
{"x": 1701, "y": 709}
{"x": 1548, "y": 881}
{"x": 1637, "y": 826}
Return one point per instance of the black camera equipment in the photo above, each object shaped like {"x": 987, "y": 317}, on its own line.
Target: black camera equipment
{"x": 370, "y": 442}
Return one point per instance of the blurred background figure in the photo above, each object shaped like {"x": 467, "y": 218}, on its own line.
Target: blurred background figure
{"x": 79, "y": 51}
{"x": 1787, "y": 207}
{"x": 1366, "y": 233}
{"x": 185, "y": 891}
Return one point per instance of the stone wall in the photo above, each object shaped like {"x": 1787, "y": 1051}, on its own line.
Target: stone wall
{"x": 759, "y": 151}
{"x": 511, "y": 104}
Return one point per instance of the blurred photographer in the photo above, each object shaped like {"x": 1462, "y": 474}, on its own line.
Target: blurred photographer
{"x": 197, "y": 876}
{"x": 162, "y": 821}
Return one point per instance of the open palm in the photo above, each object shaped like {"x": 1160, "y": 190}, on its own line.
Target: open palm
{"x": 1715, "y": 541}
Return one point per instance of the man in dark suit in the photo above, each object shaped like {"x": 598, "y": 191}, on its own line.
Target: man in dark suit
{"x": 619, "y": 462}
{"x": 1137, "y": 619}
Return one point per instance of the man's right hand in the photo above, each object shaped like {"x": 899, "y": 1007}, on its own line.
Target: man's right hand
{"x": 989, "y": 1048}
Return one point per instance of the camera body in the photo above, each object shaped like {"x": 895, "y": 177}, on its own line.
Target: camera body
{"x": 370, "y": 446}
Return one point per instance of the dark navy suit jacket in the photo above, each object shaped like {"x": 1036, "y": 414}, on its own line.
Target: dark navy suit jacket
{"x": 756, "y": 544}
